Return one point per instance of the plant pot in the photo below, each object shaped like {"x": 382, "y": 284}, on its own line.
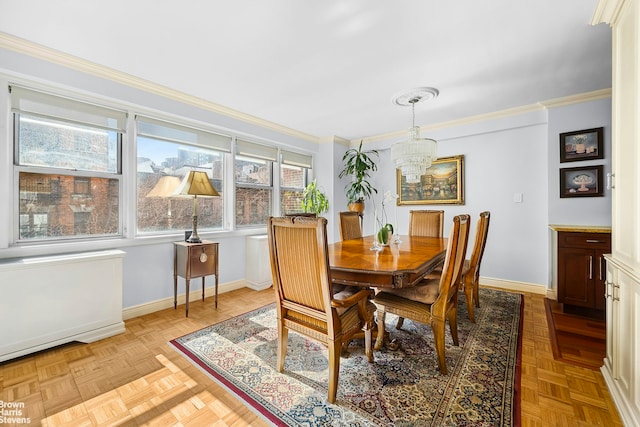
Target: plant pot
{"x": 356, "y": 206}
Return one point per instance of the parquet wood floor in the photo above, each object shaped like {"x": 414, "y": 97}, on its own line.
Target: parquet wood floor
{"x": 137, "y": 379}
{"x": 576, "y": 339}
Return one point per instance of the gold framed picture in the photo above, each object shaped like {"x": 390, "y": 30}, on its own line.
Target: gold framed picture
{"x": 442, "y": 183}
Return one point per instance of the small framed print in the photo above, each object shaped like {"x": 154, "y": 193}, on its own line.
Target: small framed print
{"x": 581, "y": 145}
{"x": 581, "y": 182}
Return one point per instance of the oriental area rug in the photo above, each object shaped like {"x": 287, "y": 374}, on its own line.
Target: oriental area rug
{"x": 402, "y": 387}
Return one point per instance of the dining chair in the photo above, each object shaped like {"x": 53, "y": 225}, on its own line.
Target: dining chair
{"x": 350, "y": 227}
{"x": 304, "y": 296}
{"x": 426, "y": 223}
{"x": 436, "y": 301}
{"x": 471, "y": 267}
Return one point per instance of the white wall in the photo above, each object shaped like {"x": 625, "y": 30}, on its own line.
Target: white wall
{"x": 500, "y": 159}
{"x": 148, "y": 263}
{"x": 584, "y": 210}
{"x": 516, "y": 154}
{"x": 505, "y": 157}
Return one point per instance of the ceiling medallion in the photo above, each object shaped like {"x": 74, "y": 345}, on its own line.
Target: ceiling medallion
{"x": 419, "y": 94}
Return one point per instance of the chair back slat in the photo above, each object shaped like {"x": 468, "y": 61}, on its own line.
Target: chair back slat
{"x": 426, "y": 223}
{"x": 453, "y": 263}
{"x": 299, "y": 260}
{"x": 350, "y": 227}
{"x": 482, "y": 230}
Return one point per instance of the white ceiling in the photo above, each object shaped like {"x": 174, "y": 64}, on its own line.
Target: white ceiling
{"x": 332, "y": 67}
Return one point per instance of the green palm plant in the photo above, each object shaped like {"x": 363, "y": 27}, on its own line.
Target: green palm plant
{"x": 359, "y": 164}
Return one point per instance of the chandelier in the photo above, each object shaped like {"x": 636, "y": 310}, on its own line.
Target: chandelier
{"x": 414, "y": 156}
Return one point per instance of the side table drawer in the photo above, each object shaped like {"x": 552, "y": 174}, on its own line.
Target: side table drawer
{"x": 202, "y": 260}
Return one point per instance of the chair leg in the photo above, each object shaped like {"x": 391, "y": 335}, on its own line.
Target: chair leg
{"x": 368, "y": 343}
{"x": 438, "y": 337}
{"x": 380, "y": 338}
{"x": 334, "y": 369}
{"x": 369, "y": 324}
{"x": 400, "y": 323}
{"x": 469, "y": 293}
{"x": 476, "y": 292}
{"x": 283, "y": 334}
{"x": 452, "y": 317}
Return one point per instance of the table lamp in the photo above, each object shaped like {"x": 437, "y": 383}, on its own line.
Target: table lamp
{"x": 195, "y": 183}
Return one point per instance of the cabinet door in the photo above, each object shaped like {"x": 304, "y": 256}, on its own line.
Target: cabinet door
{"x": 202, "y": 260}
{"x": 575, "y": 276}
{"x": 624, "y": 350}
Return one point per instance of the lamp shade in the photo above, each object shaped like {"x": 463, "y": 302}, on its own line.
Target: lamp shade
{"x": 165, "y": 187}
{"x": 196, "y": 183}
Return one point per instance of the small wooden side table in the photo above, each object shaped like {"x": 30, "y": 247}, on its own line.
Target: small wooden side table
{"x": 192, "y": 260}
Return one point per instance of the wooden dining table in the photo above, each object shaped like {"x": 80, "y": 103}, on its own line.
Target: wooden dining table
{"x": 398, "y": 265}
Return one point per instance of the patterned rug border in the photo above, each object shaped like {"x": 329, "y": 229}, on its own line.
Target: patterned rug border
{"x": 271, "y": 417}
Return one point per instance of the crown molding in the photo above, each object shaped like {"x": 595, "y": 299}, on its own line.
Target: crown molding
{"x": 51, "y": 55}
{"x": 334, "y": 140}
{"x": 460, "y": 122}
{"x": 38, "y": 51}
{"x": 576, "y": 99}
{"x": 543, "y": 105}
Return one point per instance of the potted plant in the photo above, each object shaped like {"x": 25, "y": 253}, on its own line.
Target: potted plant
{"x": 358, "y": 164}
{"x": 314, "y": 200}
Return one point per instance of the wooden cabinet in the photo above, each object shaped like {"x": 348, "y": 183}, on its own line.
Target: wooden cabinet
{"x": 582, "y": 268}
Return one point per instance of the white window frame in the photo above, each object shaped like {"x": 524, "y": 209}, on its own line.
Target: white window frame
{"x": 62, "y": 109}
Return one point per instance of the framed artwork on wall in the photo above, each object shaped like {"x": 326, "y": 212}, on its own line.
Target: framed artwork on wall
{"x": 582, "y": 182}
{"x": 442, "y": 183}
{"x": 581, "y": 145}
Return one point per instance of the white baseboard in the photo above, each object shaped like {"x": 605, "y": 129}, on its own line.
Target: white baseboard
{"x": 509, "y": 285}
{"x": 84, "y": 337}
{"x": 162, "y": 304}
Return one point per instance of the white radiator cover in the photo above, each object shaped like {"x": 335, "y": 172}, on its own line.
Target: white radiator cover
{"x": 258, "y": 265}
{"x": 52, "y": 300}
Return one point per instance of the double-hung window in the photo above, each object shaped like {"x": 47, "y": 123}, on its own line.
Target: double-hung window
{"x": 67, "y": 157}
{"x": 294, "y": 175}
{"x": 166, "y": 152}
{"x": 253, "y": 170}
